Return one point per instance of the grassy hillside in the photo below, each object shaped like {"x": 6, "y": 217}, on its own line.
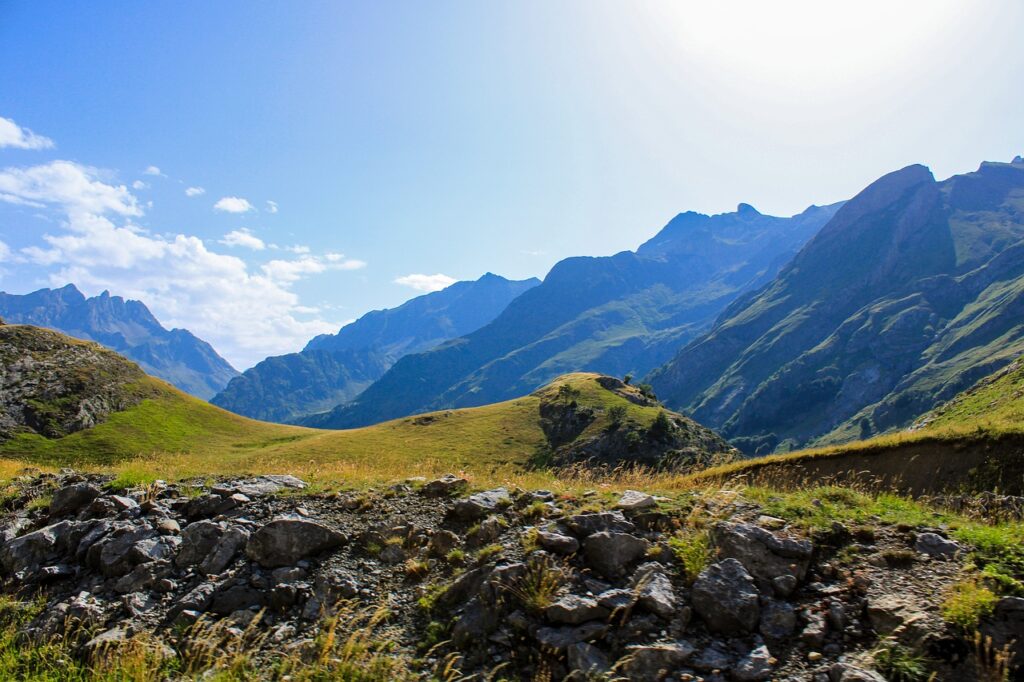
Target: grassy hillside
{"x": 172, "y": 435}
{"x": 973, "y": 442}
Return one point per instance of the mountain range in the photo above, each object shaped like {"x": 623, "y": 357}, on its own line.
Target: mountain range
{"x": 621, "y": 314}
{"x": 334, "y": 368}
{"x": 128, "y": 327}
{"x": 910, "y": 294}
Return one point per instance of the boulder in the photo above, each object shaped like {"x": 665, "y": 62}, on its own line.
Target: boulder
{"x": 557, "y": 542}
{"x": 43, "y": 546}
{"x": 778, "y": 619}
{"x": 653, "y": 661}
{"x": 634, "y": 500}
{"x": 588, "y": 524}
{"x": 654, "y": 590}
{"x": 588, "y": 659}
{"x": 936, "y": 546}
{"x": 283, "y": 542}
{"x": 230, "y": 543}
{"x": 573, "y": 610}
{"x": 561, "y": 638}
{"x": 480, "y": 505}
{"x": 1005, "y": 626}
{"x": 446, "y": 486}
{"x": 756, "y": 666}
{"x": 764, "y": 554}
{"x": 610, "y": 553}
{"x": 442, "y": 542}
{"x": 71, "y": 498}
{"x": 197, "y": 542}
{"x": 725, "y": 597}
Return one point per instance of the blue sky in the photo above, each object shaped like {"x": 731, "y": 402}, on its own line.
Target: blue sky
{"x": 399, "y": 141}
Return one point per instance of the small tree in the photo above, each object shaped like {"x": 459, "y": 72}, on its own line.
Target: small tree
{"x": 567, "y": 393}
{"x": 616, "y": 415}
{"x": 627, "y": 379}
{"x": 661, "y": 426}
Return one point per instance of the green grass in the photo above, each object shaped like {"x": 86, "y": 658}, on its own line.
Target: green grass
{"x": 967, "y": 603}
{"x": 172, "y": 436}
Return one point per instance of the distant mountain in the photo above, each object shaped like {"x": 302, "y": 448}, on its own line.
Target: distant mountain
{"x": 910, "y": 294}
{"x": 177, "y": 356}
{"x": 334, "y": 368}
{"x": 626, "y": 313}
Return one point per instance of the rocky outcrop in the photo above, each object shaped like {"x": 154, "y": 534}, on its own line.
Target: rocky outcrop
{"x": 53, "y": 385}
{"x": 569, "y": 591}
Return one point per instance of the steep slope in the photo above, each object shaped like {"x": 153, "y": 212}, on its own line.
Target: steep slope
{"x": 621, "y": 314}
{"x": 912, "y": 292}
{"x": 334, "y": 368}
{"x": 127, "y": 327}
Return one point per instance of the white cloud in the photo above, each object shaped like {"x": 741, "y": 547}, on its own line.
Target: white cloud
{"x": 66, "y": 184}
{"x": 152, "y": 170}
{"x": 426, "y": 283}
{"x": 297, "y": 248}
{"x": 139, "y": 184}
{"x": 287, "y": 271}
{"x": 5, "y": 252}
{"x": 233, "y": 205}
{"x": 245, "y": 238}
{"x": 194, "y": 191}
{"x": 246, "y": 313}
{"x": 13, "y": 135}
{"x": 271, "y": 207}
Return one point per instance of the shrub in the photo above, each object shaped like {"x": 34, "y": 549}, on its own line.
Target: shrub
{"x": 616, "y": 415}
{"x": 693, "y": 550}
{"x": 967, "y": 603}
{"x": 900, "y": 664}
{"x": 535, "y": 590}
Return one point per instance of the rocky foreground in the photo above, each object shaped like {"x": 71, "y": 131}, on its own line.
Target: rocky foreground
{"x": 265, "y": 579}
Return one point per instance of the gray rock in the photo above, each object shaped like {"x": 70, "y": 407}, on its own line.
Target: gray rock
{"x": 784, "y": 585}
{"x": 653, "y": 661}
{"x": 43, "y": 546}
{"x": 573, "y": 610}
{"x": 846, "y": 672}
{"x": 754, "y": 667}
{"x": 778, "y": 619}
{"x": 888, "y": 612}
{"x": 617, "y": 599}
{"x": 228, "y": 545}
{"x": 936, "y": 546}
{"x": 480, "y": 505}
{"x": 588, "y": 524}
{"x": 715, "y": 657}
{"x": 393, "y": 554}
{"x": 442, "y": 542}
{"x": 446, "y": 486}
{"x": 610, "y": 553}
{"x": 764, "y": 554}
{"x": 587, "y": 659}
{"x": 127, "y": 547}
{"x": 654, "y": 590}
{"x": 634, "y": 500}
{"x": 70, "y": 499}
{"x": 561, "y": 638}
{"x": 197, "y": 542}
{"x": 237, "y": 598}
{"x": 725, "y": 597}
{"x": 813, "y": 634}
{"x": 478, "y": 619}
{"x": 557, "y": 542}
{"x": 283, "y": 542}
{"x": 1006, "y": 628}
{"x": 259, "y": 486}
